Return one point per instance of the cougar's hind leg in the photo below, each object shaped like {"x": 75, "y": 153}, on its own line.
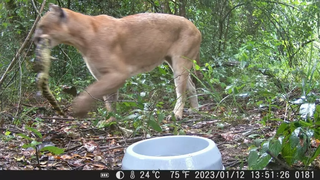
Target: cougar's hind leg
{"x": 193, "y": 98}
{"x": 180, "y": 67}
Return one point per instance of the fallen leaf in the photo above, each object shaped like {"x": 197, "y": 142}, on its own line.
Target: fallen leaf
{"x": 65, "y": 157}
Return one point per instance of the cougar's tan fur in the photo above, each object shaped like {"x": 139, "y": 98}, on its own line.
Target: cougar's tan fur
{"x": 117, "y": 49}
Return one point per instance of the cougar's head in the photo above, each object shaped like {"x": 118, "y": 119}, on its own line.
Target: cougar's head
{"x": 52, "y": 26}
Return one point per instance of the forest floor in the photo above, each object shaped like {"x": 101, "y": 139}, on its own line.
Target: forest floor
{"x": 89, "y": 148}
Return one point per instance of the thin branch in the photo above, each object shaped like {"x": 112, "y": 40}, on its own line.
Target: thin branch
{"x": 14, "y": 60}
{"x": 20, "y": 88}
{"x": 277, "y": 2}
{"x": 35, "y": 7}
{"x": 303, "y": 45}
{"x": 154, "y": 5}
{"x": 283, "y": 164}
{"x": 232, "y": 10}
{"x": 60, "y": 118}
{"x": 15, "y": 73}
{"x": 64, "y": 53}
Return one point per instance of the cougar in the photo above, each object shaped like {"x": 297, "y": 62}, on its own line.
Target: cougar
{"x": 115, "y": 49}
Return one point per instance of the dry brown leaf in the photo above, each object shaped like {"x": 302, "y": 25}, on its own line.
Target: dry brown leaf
{"x": 65, "y": 157}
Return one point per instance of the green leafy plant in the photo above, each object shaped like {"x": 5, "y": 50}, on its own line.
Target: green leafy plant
{"x": 145, "y": 115}
{"x": 292, "y": 141}
{"x": 38, "y": 145}
{"x": 292, "y": 144}
{"x": 7, "y": 136}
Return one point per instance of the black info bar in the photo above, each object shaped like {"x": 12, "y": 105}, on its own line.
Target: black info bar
{"x": 160, "y": 174}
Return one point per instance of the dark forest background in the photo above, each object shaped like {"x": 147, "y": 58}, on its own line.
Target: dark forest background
{"x": 259, "y": 60}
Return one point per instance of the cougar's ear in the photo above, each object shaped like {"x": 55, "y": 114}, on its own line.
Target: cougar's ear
{"x": 57, "y": 10}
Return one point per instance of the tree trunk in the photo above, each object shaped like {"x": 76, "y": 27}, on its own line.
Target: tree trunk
{"x": 182, "y": 8}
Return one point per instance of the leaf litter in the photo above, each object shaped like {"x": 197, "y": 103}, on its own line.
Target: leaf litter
{"x": 89, "y": 148}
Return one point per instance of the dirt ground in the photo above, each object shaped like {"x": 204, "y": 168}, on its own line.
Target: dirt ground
{"x": 89, "y": 148}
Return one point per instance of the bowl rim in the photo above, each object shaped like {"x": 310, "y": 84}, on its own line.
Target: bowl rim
{"x": 211, "y": 145}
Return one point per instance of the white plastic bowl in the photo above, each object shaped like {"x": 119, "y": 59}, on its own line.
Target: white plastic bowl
{"x": 173, "y": 153}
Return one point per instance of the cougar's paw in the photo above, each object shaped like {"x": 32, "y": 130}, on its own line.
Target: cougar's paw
{"x": 81, "y": 106}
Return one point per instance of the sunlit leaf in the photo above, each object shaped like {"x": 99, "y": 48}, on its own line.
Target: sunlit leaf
{"x": 262, "y": 161}
{"x": 275, "y": 147}
{"x": 53, "y": 150}
{"x": 36, "y": 132}
{"x": 282, "y": 128}
{"x": 252, "y": 158}
{"x": 25, "y": 137}
{"x": 155, "y": 125}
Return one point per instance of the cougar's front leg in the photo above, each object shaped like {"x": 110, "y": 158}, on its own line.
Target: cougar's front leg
{"x": 107, "y": 84}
